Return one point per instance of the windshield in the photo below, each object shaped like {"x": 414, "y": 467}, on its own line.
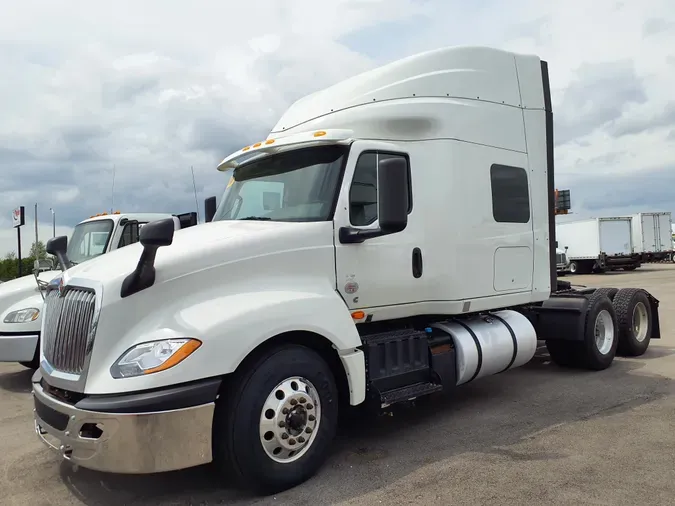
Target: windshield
{"x": 90, "y": 239}
{"x": 298, "y": 185}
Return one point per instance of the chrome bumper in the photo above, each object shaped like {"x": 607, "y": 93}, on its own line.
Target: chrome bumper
{"x": 125, "y": 442}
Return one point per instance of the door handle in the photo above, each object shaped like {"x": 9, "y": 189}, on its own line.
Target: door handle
{"x": 417, "y": 262}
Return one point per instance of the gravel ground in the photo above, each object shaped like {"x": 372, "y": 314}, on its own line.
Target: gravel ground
{"x": 535, "y": 435}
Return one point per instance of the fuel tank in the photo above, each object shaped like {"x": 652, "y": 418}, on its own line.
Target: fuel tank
{"x": 490, "y": 343}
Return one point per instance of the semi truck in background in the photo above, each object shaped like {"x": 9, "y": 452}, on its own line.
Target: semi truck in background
{"x": 652, "y": 236}
{"x": 598, "y": 244}
{"x": 411, "y": 249}
{"x": 562, "y": 262}
{"x": 21, "y": 299}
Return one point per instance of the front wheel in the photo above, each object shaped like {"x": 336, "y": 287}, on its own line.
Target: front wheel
{"x": 273, "y": 429}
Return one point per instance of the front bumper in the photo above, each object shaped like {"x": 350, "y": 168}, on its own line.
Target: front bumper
{"x": 145, "y": 432}
{"x": 18, "y": 346}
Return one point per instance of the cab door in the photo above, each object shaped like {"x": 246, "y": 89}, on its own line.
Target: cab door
{"x": 378, "y": 271}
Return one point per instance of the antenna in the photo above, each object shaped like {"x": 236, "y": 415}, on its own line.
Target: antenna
{"x": 112, "y": 193}
{"x": 194, "y": 186}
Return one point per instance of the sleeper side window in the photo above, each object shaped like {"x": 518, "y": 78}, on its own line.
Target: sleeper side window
{"x": 510, "y": 194}
{"x": 363, "y": 190}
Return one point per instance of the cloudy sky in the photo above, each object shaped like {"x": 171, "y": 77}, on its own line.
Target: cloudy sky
{"x": 152, "y": 88}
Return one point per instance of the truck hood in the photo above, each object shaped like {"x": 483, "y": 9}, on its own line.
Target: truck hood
{"x": 202, "y": 247}
{"x": 15, "y": 290}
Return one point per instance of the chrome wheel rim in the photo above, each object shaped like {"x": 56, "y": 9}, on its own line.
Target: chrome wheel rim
{"x": 573, "y": 267}
{"x": 604, "y": 332}
{"x": 640, "y": 322}
{"x": 290, "y": 419}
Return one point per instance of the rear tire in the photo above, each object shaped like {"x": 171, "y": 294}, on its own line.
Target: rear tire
{"x": 600, "y": 339}
{"x": 598, "y": 349}
{"x": 260, "y": 428}
{"x": 634, "y": 316}
{"x": 609, "y": 292}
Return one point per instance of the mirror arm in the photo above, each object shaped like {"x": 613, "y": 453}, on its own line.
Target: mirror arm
{"x": 143, "y": 276}
{"x": 349, "y": 235}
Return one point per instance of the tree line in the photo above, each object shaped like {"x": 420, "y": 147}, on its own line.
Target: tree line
{"x": 9, "y": 266}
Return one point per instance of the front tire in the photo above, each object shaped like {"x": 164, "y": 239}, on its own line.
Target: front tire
{"x": 272, "y": 430}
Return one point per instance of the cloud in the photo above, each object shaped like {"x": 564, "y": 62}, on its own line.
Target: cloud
{"x": 91, "y": 90}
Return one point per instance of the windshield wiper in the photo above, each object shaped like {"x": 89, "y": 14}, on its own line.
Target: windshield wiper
{"x": 257, "y": 218}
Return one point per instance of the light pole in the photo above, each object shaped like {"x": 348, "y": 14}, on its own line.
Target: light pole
{"x": 53, "y": 222}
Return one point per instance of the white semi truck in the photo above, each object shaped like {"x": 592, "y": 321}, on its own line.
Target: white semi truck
{"x": 21, "y": 299}
{"x": 598, "y": 244}
{"x": 562, "y": 262}
{"x": 412, "y": 251}
{"x": 652, "y": 236}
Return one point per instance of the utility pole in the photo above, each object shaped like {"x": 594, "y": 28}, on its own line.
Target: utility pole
{"x": 53, "y": 222}
{"x": 112, "y": 191}
{"x": 36, "y": 233}
{"x": 18, "y": 221}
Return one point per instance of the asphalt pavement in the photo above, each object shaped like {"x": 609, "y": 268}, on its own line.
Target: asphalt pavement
{"x": 534, "y": 435}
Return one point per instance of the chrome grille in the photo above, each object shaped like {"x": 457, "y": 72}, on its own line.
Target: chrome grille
{"x": 69, "y": 321}
{"x": 560, "y": 258}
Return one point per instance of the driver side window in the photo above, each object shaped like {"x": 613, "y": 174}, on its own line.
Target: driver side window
{"x": 363, "y": 190}
{"x": 130, "y": 234}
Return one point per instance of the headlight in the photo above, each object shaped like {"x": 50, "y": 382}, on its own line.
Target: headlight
{"x": 29, "y": 314}
{"x": 154, "y": 356}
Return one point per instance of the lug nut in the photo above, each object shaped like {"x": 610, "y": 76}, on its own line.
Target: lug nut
{"x": 293, "y": 402}
{"x": 291, "y": 441}
{"x": 308, "y": 430}
{"x": 302, "y": 400}
{"x": 301, "y": 439}
{"x": 284, "y": 411}
{"x": 282, "y": 424}
{"x": 312, "y": 418}
{"x": 310, "y": 406}
{"x": 284, "y": 436}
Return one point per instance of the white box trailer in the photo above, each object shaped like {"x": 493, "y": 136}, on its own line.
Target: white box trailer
{"x": 652, "y": 236}
{"x": 598, "y": 244}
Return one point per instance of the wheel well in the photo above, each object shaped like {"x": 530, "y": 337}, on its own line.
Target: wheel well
{"x": 311, "y": 340}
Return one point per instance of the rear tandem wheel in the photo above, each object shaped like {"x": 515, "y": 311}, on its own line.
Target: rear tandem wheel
{"x": 600, "y": 340}
{"x": 634, "y": 316}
